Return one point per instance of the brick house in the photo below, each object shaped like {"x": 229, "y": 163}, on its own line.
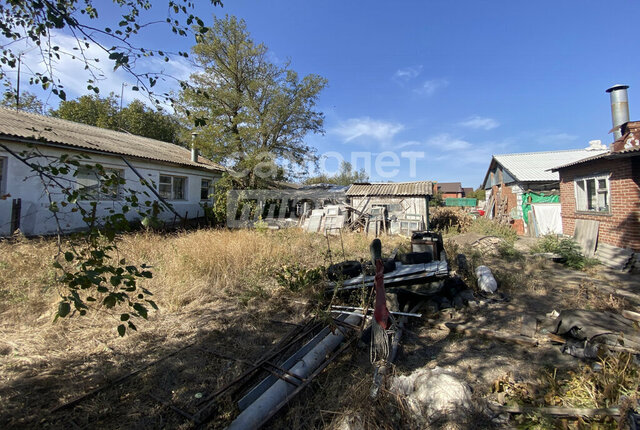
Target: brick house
{"x": 450, "y": 189}
{"x": 606, "y": 188}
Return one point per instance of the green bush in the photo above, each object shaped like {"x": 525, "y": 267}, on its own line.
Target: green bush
{"x": 508, "y": 252}
{"x": 297, "y": 278}
{"x": 567, "y": 248}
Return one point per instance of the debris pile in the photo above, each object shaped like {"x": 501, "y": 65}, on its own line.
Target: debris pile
{"x": 433, "y": 395}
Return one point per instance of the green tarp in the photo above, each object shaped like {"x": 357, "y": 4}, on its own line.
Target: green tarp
{"x": 528, "y": 198}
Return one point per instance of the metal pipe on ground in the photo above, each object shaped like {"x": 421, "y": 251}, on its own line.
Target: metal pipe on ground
{"x": 251, "y": 417}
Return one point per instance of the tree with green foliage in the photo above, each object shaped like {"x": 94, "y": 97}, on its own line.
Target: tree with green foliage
{"x": 346, "y": 176}
{"x": 477, "y": 194}
{"x": 28, "y": 102}
{"x": 90, "y": 109}
{"x": 250, "y": 113}
{"x": 135, "y": 118}
{"x": 37, "y": 23}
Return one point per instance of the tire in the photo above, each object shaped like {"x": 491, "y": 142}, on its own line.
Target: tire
{"x": 344, "y": 270}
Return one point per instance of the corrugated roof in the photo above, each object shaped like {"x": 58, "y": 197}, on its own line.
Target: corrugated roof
{"x": 536, "y": 166}
{"x": 46, "y": 129}
{"x": 421, "y": 188}
{"x": 582, "y": 160}
{"x": 628, "y": 143}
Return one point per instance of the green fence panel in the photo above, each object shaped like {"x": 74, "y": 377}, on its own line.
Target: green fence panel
{"x": 461, "y": 202}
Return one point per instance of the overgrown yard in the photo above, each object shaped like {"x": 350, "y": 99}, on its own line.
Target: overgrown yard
{"x": 238, "y": 292}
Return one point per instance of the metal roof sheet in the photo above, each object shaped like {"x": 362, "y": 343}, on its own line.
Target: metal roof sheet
{"x": 626, "y": 145}
{"x": 450, "y": 187}
{"x": 420, "y": 188}
{"x": 40, "y": 129}
{"x": 536, "y": 166}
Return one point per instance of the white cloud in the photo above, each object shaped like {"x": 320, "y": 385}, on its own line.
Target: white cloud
{"x": 481, "y": 123}
{"x": 73, "y": 76}
{"x": 447, "y": 143}
{"x": 407, "y": 144}
{"x": 429, "y": 87}
{"x": 407, "y": 73}
{"x": 366, "y": 127}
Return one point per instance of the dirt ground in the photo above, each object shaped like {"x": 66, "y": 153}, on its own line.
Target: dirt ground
{"x": 182, "y": 369}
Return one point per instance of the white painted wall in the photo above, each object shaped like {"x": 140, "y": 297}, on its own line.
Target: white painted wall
{"x": 36, "y": 219}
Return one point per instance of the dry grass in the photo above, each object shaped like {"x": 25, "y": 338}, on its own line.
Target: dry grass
{"x": 590, "y": 297}
{"x": 216, "y": 285}
{"x": 189, "y": 268}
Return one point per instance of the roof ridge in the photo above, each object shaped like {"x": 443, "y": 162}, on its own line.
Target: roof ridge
{"x": 24, "y": 125}
{"x": 550, "y": 152}
{"x": 82, "y": 124}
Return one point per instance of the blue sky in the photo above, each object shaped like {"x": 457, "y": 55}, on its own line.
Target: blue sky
{"x": 456, "y": 81}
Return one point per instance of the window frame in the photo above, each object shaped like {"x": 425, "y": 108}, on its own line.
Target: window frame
{"x": 100, "y": 197}
{"x": 185, "y": 187}
{"x": 582, "y": 194}
{"x": 210, "y": 189}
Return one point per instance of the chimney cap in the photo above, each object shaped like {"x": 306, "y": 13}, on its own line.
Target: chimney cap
{"x": 617, "y": 87}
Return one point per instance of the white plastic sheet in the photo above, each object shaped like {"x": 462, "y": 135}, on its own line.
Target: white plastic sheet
{"x": 547, "y": 218}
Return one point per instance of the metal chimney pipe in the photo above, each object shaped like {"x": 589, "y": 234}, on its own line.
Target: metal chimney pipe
{"x": 194, "y": 151}
{"x": 619, "y": 108}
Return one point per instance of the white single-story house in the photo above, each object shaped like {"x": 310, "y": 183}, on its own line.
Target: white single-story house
{"x": 171, "y": 173}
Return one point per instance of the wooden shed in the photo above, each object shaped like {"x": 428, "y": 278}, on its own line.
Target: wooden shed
{"x": 405, "y": 203}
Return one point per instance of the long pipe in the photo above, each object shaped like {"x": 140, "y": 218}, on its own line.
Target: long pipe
{"x": 619, "y": 108}
{"x": 251, "y": 417}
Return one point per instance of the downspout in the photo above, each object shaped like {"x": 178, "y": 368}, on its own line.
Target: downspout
{"x": 427, "y": 199}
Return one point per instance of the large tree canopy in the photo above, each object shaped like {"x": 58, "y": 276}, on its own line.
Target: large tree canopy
{"x": 251, "y": 113}
{"x": 36, "y": 23}
{"x": 134, "y": 118}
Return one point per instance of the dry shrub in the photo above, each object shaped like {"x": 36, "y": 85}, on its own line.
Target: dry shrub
{"x": 614, "y": 381}
{"x": 28, "y": 284}
{"x": 490, "y": 227}
{"x": 450, "y": 220}
{"x": 589, "y": 296}
{"x": 189, "y": 268}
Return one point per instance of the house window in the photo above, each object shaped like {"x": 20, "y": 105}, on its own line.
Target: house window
{"x": 93, "y": 186}
{"x": 173, "y": 187}
{"x": 592, "y": 194}
{"x": 206, "y": 189}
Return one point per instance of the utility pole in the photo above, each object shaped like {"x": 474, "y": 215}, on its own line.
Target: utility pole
{"x": 124, "y": 84}
{"x": 18, "y": 85}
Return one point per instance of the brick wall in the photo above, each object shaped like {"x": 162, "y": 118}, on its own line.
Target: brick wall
{"x": 621, "y": 227}
{"x": 504, "y": 192}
